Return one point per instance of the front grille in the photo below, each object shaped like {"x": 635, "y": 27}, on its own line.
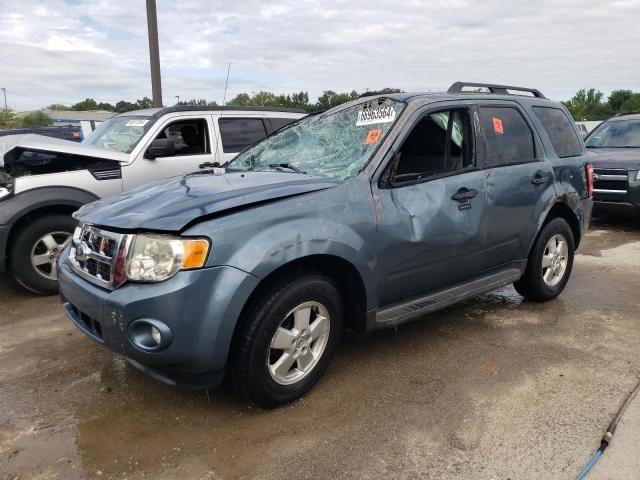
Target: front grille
{"x": 93, "y": 254}
{"x": 611, "y": 180}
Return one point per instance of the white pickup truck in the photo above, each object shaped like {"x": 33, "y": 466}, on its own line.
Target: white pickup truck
{"x": 44, "y": 180}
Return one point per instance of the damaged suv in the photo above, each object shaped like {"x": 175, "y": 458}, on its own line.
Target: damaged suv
{"x": 366, "y": 216}
{"x": 43, "y": 180}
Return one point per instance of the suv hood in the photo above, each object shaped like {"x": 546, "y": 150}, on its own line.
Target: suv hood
{"x": 627, "y": 158}
{"x": 42, "y": 143}
{"x": 172, "y": 204}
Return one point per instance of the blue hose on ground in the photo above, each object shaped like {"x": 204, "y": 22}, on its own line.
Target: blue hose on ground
{"x": 606, "y": 440}
{"x": 588, "y": 466}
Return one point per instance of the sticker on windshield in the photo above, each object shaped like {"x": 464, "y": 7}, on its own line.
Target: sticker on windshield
{"x": 373, "y": 136}
{"x": 497, "y": 126}
{"x": 136, "y": 122}
{"x": 370, "y": 116}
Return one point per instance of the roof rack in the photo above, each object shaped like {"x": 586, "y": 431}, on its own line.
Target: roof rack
{"x": 497, "y": 89}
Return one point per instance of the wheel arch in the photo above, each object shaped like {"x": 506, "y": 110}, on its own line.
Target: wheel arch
{"x": 562, "y": 210}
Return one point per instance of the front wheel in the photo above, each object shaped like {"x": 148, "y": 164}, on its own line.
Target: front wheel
{"x": 550, "y": 263}
{"x": 288, "y": 340}
{"x": 36, "y": 247}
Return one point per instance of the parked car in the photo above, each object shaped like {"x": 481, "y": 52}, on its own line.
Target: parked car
{"x": 64, "y": 132}
{"x": 367, "y": 216}
{"x": 614, "y": 150}
{"x": 44, "y": 180}
{"x": 582, "y": 129}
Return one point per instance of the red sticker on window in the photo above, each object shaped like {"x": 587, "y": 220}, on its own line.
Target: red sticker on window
{"x": 497, "y": 126}
{"x": 373, "y": 136}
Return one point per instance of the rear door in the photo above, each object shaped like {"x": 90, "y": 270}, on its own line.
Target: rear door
{"x": 237, "y": 133}
{"x": 518, "y": 177}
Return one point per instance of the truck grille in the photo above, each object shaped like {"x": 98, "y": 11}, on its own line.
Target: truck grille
{"x": 610, "y": 182}
{"x": 93, "y": 254}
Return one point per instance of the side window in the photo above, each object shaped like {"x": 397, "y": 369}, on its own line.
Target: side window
{"x": 190, "y": 136}
{"x": 278, "y": 123}
{"x": 439, "y": 143}
{"x": 561, "y": 133}
{"x": 509, "y": 138}
{"x": 239, "y": 133}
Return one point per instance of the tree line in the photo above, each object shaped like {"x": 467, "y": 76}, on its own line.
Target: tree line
{"x": 589, "y": 104}
{"x": 586, "y": 104}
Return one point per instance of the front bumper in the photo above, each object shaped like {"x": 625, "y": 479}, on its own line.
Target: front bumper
{"x": 201, "y": 307}
{"x": 620, "y": 197}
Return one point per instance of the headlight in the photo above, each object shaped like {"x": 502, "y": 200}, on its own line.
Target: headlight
{"x": 154, "y": 258}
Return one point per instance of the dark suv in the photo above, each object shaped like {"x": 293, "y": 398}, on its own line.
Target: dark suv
{"x": 366, "y": 216}
{"x": 614, "y": 150}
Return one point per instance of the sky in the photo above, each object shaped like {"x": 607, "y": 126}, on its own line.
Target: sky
{"x": 62, "y": 51}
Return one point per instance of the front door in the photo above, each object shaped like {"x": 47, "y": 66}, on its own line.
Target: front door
{"x": 192, "y": 139}
{"x": 431, "y": 211}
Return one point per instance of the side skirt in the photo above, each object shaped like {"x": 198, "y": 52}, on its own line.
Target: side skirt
{"x": 406, "y": 311}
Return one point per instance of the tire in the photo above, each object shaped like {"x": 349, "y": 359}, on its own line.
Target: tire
{"x": 44, "y": 237}
{"x": 254, "y": 360}
{"x": 541, "y": 283}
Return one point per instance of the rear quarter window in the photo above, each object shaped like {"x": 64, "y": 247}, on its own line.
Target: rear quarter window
{"x": 560, "y": 130}
{"x": 508, "y": 136}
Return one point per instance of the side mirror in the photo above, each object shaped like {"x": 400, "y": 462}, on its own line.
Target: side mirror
{"x": 161, "y": 147}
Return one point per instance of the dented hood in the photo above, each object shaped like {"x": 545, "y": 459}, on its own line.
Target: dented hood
{"x": 40, "y": 142}
{"x": 172, "y": 204}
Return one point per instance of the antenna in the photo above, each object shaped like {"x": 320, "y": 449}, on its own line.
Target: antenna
{"x": 226, "y": 84}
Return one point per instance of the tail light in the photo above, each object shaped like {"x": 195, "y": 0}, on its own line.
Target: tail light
{"x": 589, "y": 172}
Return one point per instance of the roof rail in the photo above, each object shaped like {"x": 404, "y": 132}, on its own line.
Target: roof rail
{"x": 626, "y": 113}
{"x": 497, "y": 89}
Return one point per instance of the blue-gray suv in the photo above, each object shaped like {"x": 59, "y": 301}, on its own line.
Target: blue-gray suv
{"x": 366, "y": 216}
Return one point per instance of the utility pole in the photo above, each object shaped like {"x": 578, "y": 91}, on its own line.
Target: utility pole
{"x": 6, "y": 108}
{"x": 154, "y": 53}
{"x": 178, "y": 101}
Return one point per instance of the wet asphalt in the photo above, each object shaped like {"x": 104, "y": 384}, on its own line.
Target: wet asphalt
{"x": 494, "y": 388}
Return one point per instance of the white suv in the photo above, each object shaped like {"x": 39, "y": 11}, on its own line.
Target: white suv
{"x": 43, "y": 180}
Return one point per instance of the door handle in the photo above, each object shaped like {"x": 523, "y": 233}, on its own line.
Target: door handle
{"x": 464, "y": 194}
{"x": 209, "y": 165}
{"x": 539, "y": 179}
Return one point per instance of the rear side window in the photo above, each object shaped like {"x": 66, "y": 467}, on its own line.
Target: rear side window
{"x": 239, "y": 133}
{"x": 560, "y": 130}
{"x": 278, "y": 123}
{"x": 509, "y": 138}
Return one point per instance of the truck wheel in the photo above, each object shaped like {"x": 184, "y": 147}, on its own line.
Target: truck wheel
{"x": 550, "y": 263}
{"x": 288, "y": 340}
{"x": 35, "y": 251}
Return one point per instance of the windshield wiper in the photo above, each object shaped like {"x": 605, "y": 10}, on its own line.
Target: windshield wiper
{"x": 287, "y": 165}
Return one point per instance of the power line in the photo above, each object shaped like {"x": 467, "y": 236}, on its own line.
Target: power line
{"x": 38, "y": 98}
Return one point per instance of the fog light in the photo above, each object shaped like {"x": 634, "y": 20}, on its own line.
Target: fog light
{"x": 149, "y": 334}
{"x": 156, "y": 335}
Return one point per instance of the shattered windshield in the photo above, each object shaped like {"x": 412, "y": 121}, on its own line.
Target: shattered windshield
{"x": 121, "y": 134}
{"x": 336, "y": 145}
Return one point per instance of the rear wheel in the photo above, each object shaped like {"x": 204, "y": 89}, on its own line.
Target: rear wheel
{"x": 288, "y": 340}
{"x": 36, "y": 247}
{"x": 550, "y": 263}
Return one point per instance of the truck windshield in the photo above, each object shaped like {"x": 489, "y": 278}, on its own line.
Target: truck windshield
{"x": 121, "y": 134}
{"x": 615, "y": 134}
{"x": 336, "y": 144}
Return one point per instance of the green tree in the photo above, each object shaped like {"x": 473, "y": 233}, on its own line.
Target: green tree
{"x": 587, "y": 105}
{"x": 631, "y": 104}
{"x": 86, "y": 104}
{"x": 240, "y": 100}
{"x": 617, "y": 99}
{"x": 106, "y": 106}
{"x": 35, "y": 119}
{"x": 330, "y": 99}
{"x": 200, "y": 102}
{"x": 8, "y": 118}
{"x": 123, "y": 106}
{"x": 57, "y": 106}
{"x": 143, "y": 103}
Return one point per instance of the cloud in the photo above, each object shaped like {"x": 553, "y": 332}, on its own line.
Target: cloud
{"x": 69, "y": 50}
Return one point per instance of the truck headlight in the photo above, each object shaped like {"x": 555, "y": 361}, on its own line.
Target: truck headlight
{"x": 154, "y": 258}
